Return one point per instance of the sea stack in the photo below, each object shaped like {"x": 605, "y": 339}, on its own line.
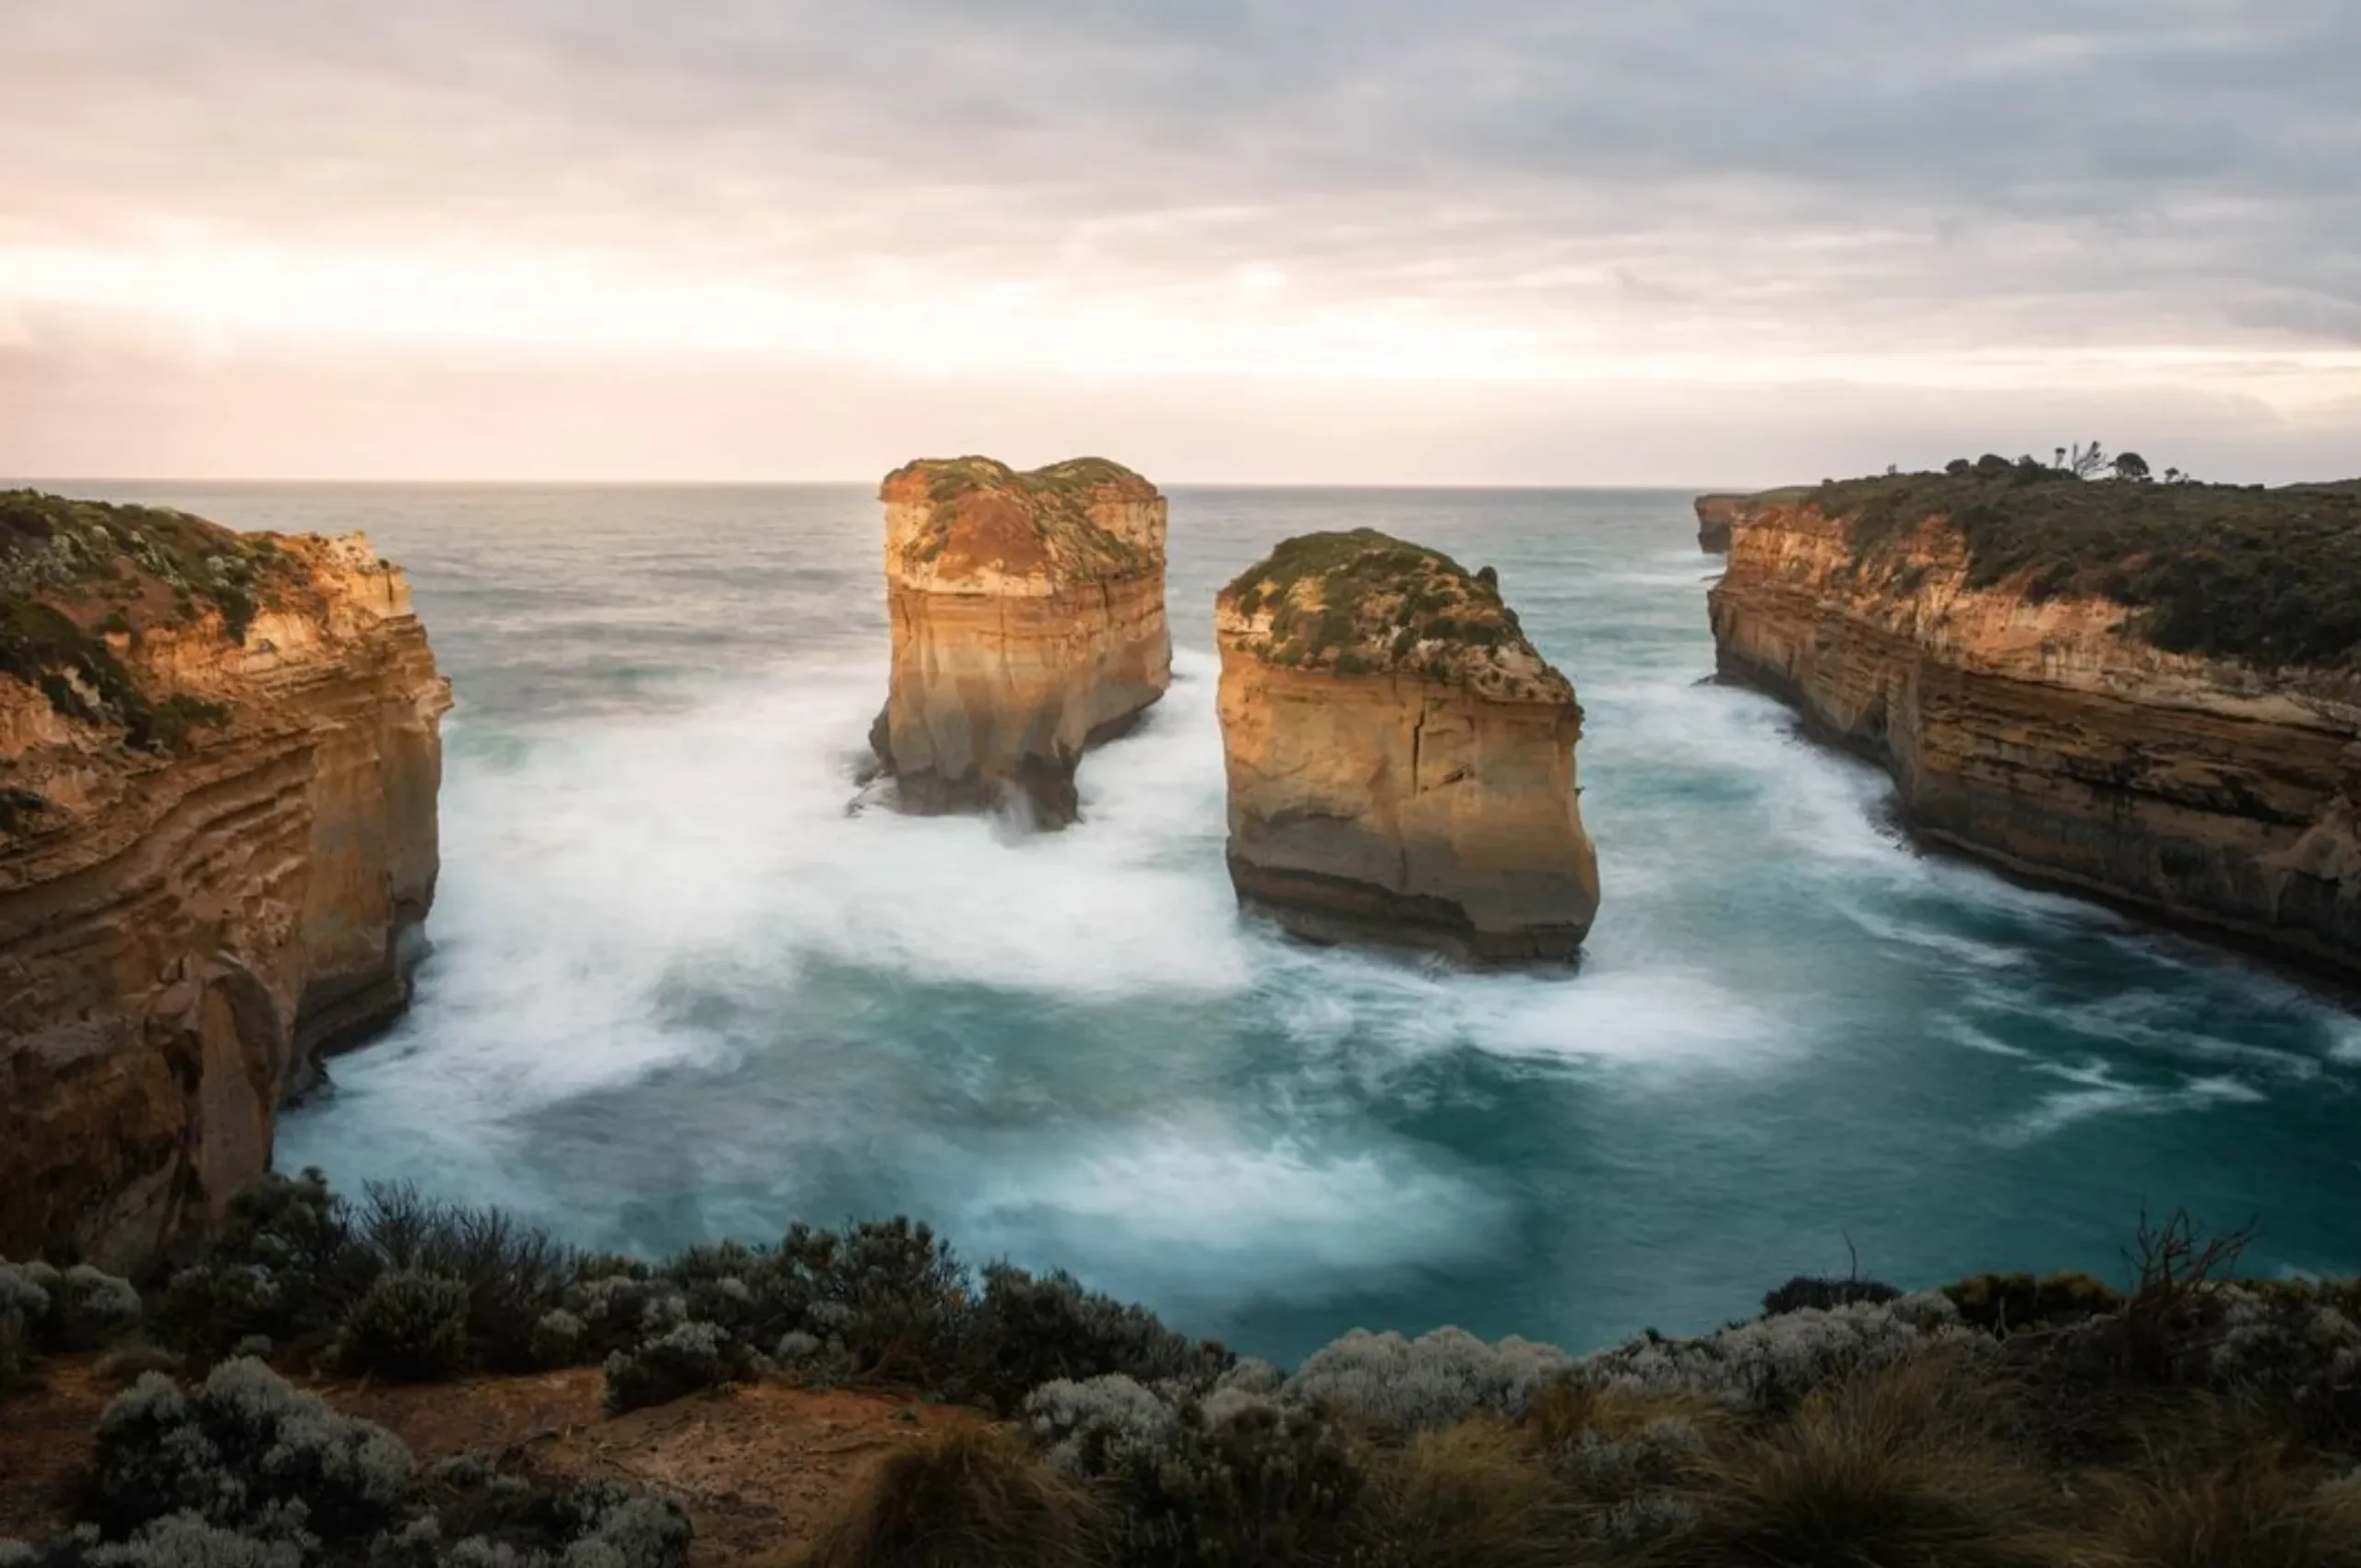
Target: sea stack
{"x": 218, "y": 762}
{"x": 1028, "y": 613}
{"x": 1401, "y": 762}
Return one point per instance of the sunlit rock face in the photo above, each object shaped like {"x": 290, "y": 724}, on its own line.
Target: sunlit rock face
{"x": 2036, "y": 730}
{"x": 219, "y": 756}
{"x": 1400, "y": 760}
{"x": 1027, "y": 617}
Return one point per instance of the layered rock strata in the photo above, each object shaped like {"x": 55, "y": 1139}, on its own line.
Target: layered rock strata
{"x": 1027, "y": 616}
{"x": 218, "y": 761}
{"x": 2029, "y": 718}
{"x": 1400, "y": 760}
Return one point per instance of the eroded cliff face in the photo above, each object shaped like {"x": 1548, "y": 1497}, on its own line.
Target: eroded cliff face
{"x": 1400, "y": 760}
{"x": 1027, "y": 615}
{"x": 2041, "y": 733}
{"x": 220, "y": 757}
{"x": 1716, "y": 513}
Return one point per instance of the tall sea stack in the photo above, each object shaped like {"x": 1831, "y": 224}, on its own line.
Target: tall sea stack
{"x": 1401, "y": 762}
{"x": 218, "y": 762}
{"x": 1028, "y": 613}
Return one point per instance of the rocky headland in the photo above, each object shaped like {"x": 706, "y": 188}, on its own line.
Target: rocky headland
{"x": 218, "y": 761}
{"x": 1028, "y": 614}
{"x": 2146, "y": 692}
{"x": 1400, "y": 760}
{"x": 1716, "y": 513}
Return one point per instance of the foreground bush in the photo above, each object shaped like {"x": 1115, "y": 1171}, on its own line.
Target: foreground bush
{"x": 244, "y": 1471}
{"x": 46, "y": 1310}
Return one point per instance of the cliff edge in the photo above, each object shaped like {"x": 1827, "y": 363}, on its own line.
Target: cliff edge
{"x": 1027, "y": 615}
{"x": 2146, "y": 692}
{"x": 1400, "y": 760}
{"x": 218, "y": 761}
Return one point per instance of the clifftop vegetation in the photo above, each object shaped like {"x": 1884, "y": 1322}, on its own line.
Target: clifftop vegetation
{"x": 72, "y": 573}
{"x": 1362, "y": 602}
{"x": 2270, "y": 578}
{"x": 1051, "y": 504}
{"x": 2004, "y": 1421}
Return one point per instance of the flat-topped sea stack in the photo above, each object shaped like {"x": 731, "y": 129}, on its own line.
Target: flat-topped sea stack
{"x": 1028, "y": 613}
{"x": 2149, "y": 692}
{"x": 218, "y": 761}
{"x": 1401, "y": 762}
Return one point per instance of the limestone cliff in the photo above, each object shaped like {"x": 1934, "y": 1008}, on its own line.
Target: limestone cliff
{"x": 1028, "y": 614}
{"x": 1401, "y": 762}
{"x": 1716, "y": 513}
{"x": 218, "y": 761}
{"x": 2136, "y": 691}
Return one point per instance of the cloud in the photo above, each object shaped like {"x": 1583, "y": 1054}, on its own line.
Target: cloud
{"x": 1504, "y": 188}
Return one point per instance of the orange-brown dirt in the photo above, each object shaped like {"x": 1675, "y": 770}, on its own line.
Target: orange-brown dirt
{"x": 759, "y": 1468}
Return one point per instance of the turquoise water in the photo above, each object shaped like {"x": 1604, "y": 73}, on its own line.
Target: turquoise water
{"x": 679, "y": 993}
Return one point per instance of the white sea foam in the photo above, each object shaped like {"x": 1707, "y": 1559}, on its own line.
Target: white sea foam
{"x": 2097, "y": 1092}
{"x": 1177, "y": 1211}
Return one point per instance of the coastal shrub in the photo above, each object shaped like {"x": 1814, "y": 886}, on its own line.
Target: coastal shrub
{"x": 1032, "y": 1330}
{"x": 91, "y": 1308}
{"x": 410, "y": 1327}
{"x": 1433, "y": 1380}
{"x": 2003, "y": 1303}
{"x": 513, "y": 1274}
{"x": 2269, "y": 577}
{"x": 1771, "y": 1365}
{"x": 681, "y": 1361}
{"x": 1894, "y": 1468}
{"x": 238, "y": 1453}
{"x": 1244, "y": 1482}
{"x": 889, "y": 1293}
{"x": 1100, "y": 1425}
{"x": 1813, "y": 1292}
{"x": 283, "y": 1263}
{"x": 972, "y": 1497}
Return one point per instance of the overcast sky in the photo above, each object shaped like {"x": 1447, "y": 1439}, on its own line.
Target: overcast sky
{"x": 1453, "y": 241}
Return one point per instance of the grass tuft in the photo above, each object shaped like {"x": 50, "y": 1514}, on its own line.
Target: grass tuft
{"x": 972, "y": 1497}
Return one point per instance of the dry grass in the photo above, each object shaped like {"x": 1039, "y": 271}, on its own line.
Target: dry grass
{"x": 1474, "y": 1496}
{"x": 973, "y": 1497}
{"x": 1899, "y": 1469}
{"x": 2230, "y": 1499}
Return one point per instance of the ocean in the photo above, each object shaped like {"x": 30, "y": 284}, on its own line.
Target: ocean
{"x": 678, "y": 993}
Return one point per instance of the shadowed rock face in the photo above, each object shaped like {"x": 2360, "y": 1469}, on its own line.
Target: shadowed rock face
{"x": 1027, "y": 615}
{"x": 1401, "y": 762}
{"x": 2036, "y": 730}
{"x": 1716, "y": 513}
{"x": 220, "y": 757}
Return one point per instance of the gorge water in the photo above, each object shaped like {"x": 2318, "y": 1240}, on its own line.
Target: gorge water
{"x": 679, "y": 993}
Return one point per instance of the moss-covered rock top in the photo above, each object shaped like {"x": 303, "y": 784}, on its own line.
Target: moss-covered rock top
{"x": 1363, "y": 602}
{"x": 980, "y": 514}
{"x": 2268, "y": 578}
{"x": 75, "y": 574}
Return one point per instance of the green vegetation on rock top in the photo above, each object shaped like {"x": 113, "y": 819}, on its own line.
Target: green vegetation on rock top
{"x": 1056, "y": 497}
{"x": 2269, "y": 577}
{"x": 72, "y": 570}
{"x": 1361, "y": 601}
